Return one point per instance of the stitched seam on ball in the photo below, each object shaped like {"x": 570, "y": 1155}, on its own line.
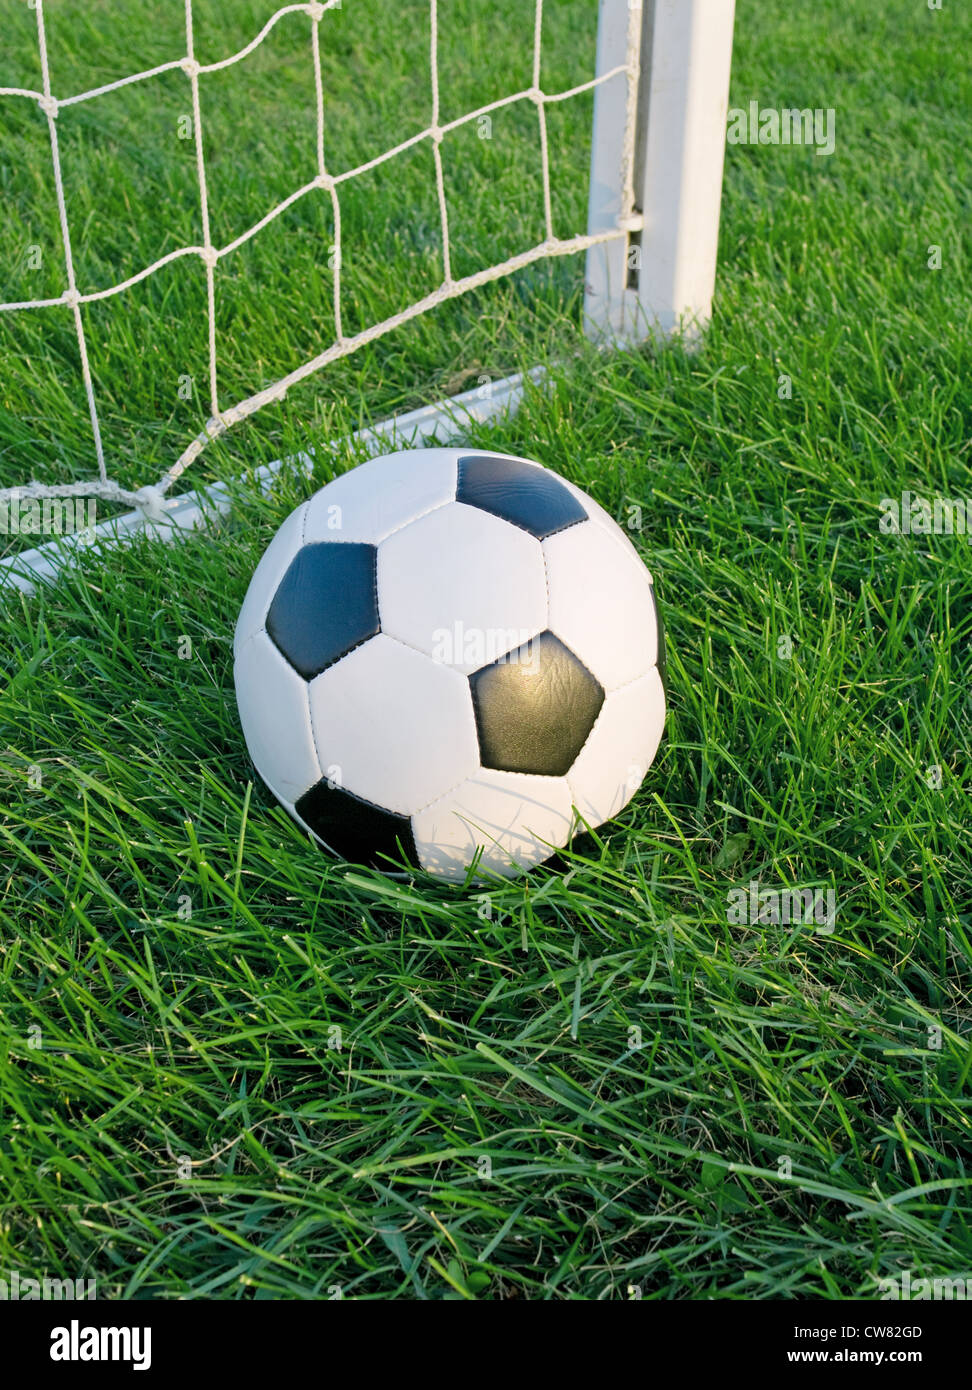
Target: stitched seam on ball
{"x": 479, "y": 766}
{"x": 418, "y": 517}
{"x": 340, "y": 657}
{"x": 477, "y": 721}
{"x": 616, "y": 689}
{"x": 620, "y": 543}
{"x": 417, "y": 651}
{"x": 428, "y": 512}
{"x": 310, "y": 720}
{"x": 578, "y": 521}
{"x": 477, "y": 506}
{"x": 374, "y": 586}
{"x": 400, "y": 641}
{"x": 591, "y": 731}
{"x": 260, "y": 632}
{"x": 601, "y": 712}
{"x": 449, "y": 790}
{"x": 546, "y": 582}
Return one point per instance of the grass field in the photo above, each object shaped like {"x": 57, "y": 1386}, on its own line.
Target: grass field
{"x": 232, "y": 1067}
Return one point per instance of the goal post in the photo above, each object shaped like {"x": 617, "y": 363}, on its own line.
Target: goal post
{"x": 660, "y": 278}
{"x": 660, "y": 92}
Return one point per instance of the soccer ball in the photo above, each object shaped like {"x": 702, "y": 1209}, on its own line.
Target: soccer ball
{"x": 448, "y": 658}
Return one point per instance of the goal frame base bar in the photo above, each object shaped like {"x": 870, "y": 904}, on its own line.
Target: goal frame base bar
{"x": 439, "y": 423}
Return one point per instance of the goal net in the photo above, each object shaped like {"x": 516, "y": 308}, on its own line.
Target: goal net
{"x": 658, "y": 86}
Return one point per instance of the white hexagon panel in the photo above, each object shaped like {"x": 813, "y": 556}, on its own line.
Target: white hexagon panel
{"x": 503, "y": 817}
{"x": 446, "y": 656}
{"x": 393, "y": 727}
{"x": 620, "y": 749}
{"x": 463, "y": 586}
{"x": 275, "y": 711}
{"x": 382, "y": 495}
{"x": 617, "y": 640}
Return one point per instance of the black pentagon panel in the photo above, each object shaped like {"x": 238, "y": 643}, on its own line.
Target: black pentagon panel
{"x": 356, "y": 829}
{"x": 326, "y": 604}
{"x": 525, "y": 495}
{"x": 535, "y": 708}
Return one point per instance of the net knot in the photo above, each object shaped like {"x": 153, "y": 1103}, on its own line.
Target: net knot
{"x": 316, "y": 12}
{"x": 536, "y": 96}
{"x": 48, "y": 105}
{"x": 190, "y": 67}
{"x": 326, "y": 182}
{"x": 631, "y": 222}
{"x": 436, "y": 132}
{"x": 151, "y": 500}
{"x": 71, "y": 298}
{"x": 209, "y": 255}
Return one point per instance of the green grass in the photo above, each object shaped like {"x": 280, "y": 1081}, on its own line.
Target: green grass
{"x": 232, "y": 1066}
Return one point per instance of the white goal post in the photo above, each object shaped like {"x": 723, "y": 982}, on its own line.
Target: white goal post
{"x": 661, "y": 276}
{"x": 660, "y": 88}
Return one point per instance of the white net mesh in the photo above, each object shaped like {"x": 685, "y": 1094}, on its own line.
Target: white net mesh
{"x": 223, "y": 416}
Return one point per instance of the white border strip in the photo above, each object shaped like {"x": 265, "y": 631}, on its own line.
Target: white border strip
{"x": 443, "y": 421}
